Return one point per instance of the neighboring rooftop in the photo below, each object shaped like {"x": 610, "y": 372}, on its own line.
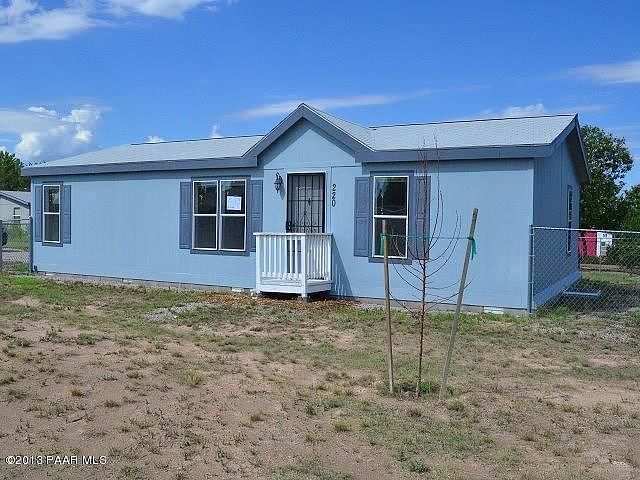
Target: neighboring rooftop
{"x": 20, "y": 197}
{"x": 482, "y": 133}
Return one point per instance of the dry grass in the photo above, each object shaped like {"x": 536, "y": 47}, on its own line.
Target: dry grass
{"x": 227, "y": 386}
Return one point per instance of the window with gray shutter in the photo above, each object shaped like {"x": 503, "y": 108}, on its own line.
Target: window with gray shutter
{"x": 66, "y": 214}
{"x": 362, "y": 216}
{"x": 422, "y": 209}
{"x": 37, "y": 214}
{"x": 185, "y": 215}
{"x": 255, "y": 224}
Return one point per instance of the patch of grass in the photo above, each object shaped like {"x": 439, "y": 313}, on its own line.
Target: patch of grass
{"x": 7, "y": 380}
{"x": 20, "y": 342}
{"x": 390, "y": 427}
{"x": 417, "y": 466}
{"x": 16, "y": 393}
{"x": 414, "y": 412}
{"x": 190, "y": 377}
{"x": 310, "y": 409}
{"x": 429, "y": 387}
{"x": 633, "y": 320}
{"x": 455, "y": 406}
{"x": 85, "y": 339}
{"x": 76, "y": 392}
{"x": 131, "y": 472}
{"x": 608, "y": 372}
{"x": 257, "y": 417}
{"x": 569, "y": 408}
{"x": 8, "y": 352}
{"x": 112, "y": 403}
{"x": 341, "y": 426}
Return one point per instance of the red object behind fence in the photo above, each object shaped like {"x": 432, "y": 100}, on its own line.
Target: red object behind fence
{"x": 588, "y": 243}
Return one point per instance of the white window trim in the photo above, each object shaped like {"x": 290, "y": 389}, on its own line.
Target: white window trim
{"x": 19, "y": 216}
{"x": 194, "y": 214}
{"x": 45, "y": 213}
{"x": 243, "y": 215}
{"x": 405, "y": 217}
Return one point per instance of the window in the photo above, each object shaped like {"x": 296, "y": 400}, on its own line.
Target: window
{"x": 569, "y": 217}
{"x": 390, "y": 203}
{"x": 51, "y": 213}
{"x": 16, "y": 213}
{"x": 233, "y": 213}
{"x": 219, "y": 215}
{"x": 205, "y": 215}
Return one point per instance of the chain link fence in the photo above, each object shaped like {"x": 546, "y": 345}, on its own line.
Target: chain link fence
{"x": 16, "y": 246}
{"x": 587, "y": 271}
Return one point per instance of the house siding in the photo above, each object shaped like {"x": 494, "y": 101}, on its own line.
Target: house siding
{"x": 553, "y": 268}
{"x": 127, "y": 225}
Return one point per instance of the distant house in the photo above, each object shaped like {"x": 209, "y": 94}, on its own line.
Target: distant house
{"x": 300, "y": 209}
{"x": 14, "y": 206}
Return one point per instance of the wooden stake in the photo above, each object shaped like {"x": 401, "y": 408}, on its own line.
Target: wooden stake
{"x": 454, "y": 324}
{"x": 387, "y": 304}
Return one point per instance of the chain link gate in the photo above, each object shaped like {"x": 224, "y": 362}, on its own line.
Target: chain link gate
{"x": 16, "y": 246}
{"x": 585, "y": 271}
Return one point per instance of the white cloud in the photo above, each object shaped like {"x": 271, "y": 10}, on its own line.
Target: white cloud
{"x": 537, "y": 109}
{"x": 23, "y": 20}
{"x": 609, "y": 73}
{"x": 327, "y": 103}
{"x": 161, "y": 8}
{"x": 155, "y": 139}
{"x": 526, "y": 111}
{"x": 3, "y": 148}
{"x": 214, "y": 131}
{"x": 46, "y": 134}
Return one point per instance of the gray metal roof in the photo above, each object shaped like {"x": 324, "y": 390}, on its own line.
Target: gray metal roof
{"x": 362, "y": 134}
{"x": 235, "y": 151}
{"x": 143, "y": 152}
{"x": 472, "y": 133}
{"x": 23, "y": 197}
{"x": 540, "y": 130}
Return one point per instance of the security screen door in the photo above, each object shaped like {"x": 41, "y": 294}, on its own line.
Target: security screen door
{"x": 305, "y": 203}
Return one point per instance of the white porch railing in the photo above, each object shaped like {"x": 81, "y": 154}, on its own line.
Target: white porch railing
{"x": 293, "y": 262}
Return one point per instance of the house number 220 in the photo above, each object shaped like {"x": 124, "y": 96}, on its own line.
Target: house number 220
{"x": 333, "y": 195}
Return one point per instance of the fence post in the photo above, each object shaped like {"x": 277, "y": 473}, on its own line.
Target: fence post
{"x": 2, "y": 244}
{"x": 532, "y": 234}
{"x": 303, "y": 266}
{"x": 30, "y": 244}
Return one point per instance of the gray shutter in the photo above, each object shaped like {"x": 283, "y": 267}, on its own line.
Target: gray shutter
{"x": 186, "y": 202}
{"x": 37, "y": 214}
{"x": 422, "y": 215}
{"x": 66, "y": 214}
{"x": 255, "y": 223}
{"x": 362, "y": 217}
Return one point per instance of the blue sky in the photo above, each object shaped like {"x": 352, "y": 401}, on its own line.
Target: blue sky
{"x": 83, "y": 75}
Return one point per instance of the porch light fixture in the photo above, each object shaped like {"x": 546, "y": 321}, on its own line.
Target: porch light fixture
{"x": 278, "y": 182}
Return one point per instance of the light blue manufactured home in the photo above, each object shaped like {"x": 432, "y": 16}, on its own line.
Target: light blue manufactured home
{"x": 300, "y": 209}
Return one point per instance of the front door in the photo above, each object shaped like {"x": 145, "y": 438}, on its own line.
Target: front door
{"x": 305, "y": 203}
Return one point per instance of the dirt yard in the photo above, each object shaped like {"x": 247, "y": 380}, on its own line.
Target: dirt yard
{"x": 189, "y": 385}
